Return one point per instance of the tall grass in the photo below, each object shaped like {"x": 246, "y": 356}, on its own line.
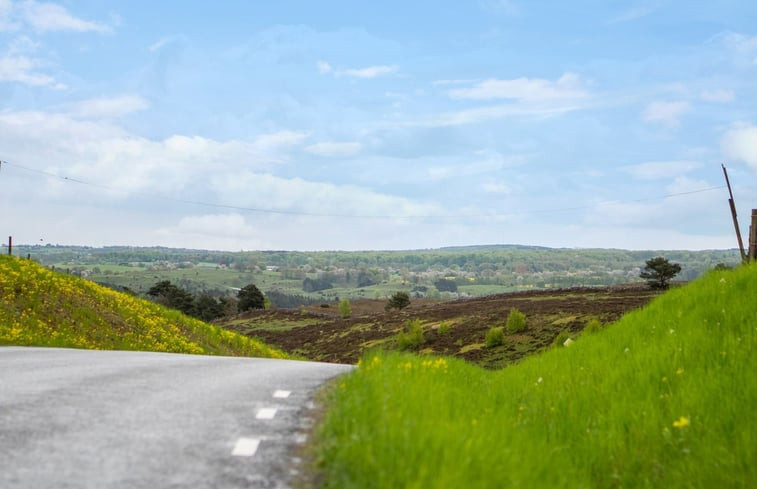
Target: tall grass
{"x": 43, "y": 308}
{"x": 666, "y": 397}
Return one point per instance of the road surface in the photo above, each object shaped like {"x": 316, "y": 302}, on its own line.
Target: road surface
{"x": 113, "y": 419}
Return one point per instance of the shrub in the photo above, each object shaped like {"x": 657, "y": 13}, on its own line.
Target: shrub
{"x": 592, "y": 326}
{"x": 495, "y": 337}
{"x": 412, "y": 337}
{"x": 399, "y": 300}
{"x": 345, "y": 309}
{"x": 516, "y": 321}
{"x": 444, "y": 327}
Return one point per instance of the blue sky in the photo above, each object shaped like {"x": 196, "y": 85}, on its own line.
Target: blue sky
{"x": 377, "y": 125}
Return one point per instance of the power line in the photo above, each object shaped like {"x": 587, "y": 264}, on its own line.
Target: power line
{"x": 357, "y": 216}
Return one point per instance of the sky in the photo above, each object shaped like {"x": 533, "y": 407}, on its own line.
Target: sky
{"x": 342, "y": 125}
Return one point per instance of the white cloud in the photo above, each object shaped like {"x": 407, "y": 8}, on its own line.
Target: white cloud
{"x": 483, "y": 114}
{"x": 334, "y": 149}
{"x": 682, "y": 213}
{"x": 295, "y": 195}
{"x": 23, "y": 69}
{"x": 324, "y": 67}
{"x": 567, "y": 87}
{"x": 653, "y": 170}
{"x": 496, "y": 188}
{"x": 666, "y": 113}
{"x": 721, "y": 96}
{"x": 740, "y": 42}
{"x": 108, "y": 107}
{"x": 279, "y": 140}
{"x": 6, "y": 24}
{"x": 368, "y": 72}
{"x": 52, "y": 17}
{"x": 102, "y": 153}
{"x": 213, "y": 225}
{"x": 740, "y": 143}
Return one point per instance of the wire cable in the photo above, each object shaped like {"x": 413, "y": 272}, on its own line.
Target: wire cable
{"x": 355, "y": 216}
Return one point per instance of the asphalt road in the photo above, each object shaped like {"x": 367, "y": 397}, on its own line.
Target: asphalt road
{"x": 112, "y": 419}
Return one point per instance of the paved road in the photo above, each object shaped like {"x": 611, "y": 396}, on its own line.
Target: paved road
{"x": 104, "y": 419}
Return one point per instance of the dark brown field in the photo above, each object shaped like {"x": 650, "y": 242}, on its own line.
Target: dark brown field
{"x": 318, "y": 333}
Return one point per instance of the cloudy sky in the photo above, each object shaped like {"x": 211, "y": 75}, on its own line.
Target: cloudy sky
{"x": 348, "y": 125}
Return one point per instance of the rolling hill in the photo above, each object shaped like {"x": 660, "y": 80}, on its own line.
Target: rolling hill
{"x": 39, "y": 307}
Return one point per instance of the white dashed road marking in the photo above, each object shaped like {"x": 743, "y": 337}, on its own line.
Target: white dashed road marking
{"x": 246, "y": 447}
{"x": 281, "y": 394}
{"x": 266, "y": 413}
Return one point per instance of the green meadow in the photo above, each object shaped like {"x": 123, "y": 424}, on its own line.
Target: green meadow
{"x": 664, "y": 398}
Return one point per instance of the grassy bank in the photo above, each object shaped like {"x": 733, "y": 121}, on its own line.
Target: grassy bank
{"x": 663, "y": 398}
{"x": 43, "y": 308}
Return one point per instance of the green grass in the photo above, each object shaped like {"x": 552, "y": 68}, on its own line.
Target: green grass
{"x": 665, "y": 397}
{"x": 39, "y": 307}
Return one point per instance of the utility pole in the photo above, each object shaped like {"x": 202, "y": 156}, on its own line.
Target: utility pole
{"x": 744, "y": 256}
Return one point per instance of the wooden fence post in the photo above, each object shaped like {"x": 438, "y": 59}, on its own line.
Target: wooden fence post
{"x": 10, "y": 245}
{"x": 753, "y": 237}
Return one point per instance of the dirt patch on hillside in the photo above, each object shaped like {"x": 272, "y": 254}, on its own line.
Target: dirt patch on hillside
{"x": 319, "y": 333}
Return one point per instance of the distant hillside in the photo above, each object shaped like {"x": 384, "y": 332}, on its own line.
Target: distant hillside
{"x": 292, "y": 278}
{"x": 44, "y": 308}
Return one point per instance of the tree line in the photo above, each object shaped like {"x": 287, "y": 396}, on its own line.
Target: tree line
{"x": 204, "y": 306}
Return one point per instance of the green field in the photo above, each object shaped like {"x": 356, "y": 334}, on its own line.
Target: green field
{"x": 665, "y": 397}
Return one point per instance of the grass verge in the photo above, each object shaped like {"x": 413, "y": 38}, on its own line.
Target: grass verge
{"x": 39, "y": 307}
{"x": 665, "y": 397}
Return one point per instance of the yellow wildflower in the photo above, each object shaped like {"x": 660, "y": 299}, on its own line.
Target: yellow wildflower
{"x": 681, "y": 422}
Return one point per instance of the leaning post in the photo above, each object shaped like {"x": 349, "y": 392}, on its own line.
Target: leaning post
{"x": 753, "y": 238}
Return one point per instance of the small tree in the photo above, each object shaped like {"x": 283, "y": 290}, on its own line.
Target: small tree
{"x": 658, "y": 272}
{"x": 399, "y": 300}
{"x": 250, "y": 297}
{"x": 345, "y": 310}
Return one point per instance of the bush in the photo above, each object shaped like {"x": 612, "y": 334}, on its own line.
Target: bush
{"x": 592, "y": 326}
{"x": 495, "y": 337}
{"x": 399, "y": 300}
{"x": 412, "y": 337}
{"x": 345, "y": 309}
{"x": 444, "y": 327}
{"x": 516, "y": 321}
